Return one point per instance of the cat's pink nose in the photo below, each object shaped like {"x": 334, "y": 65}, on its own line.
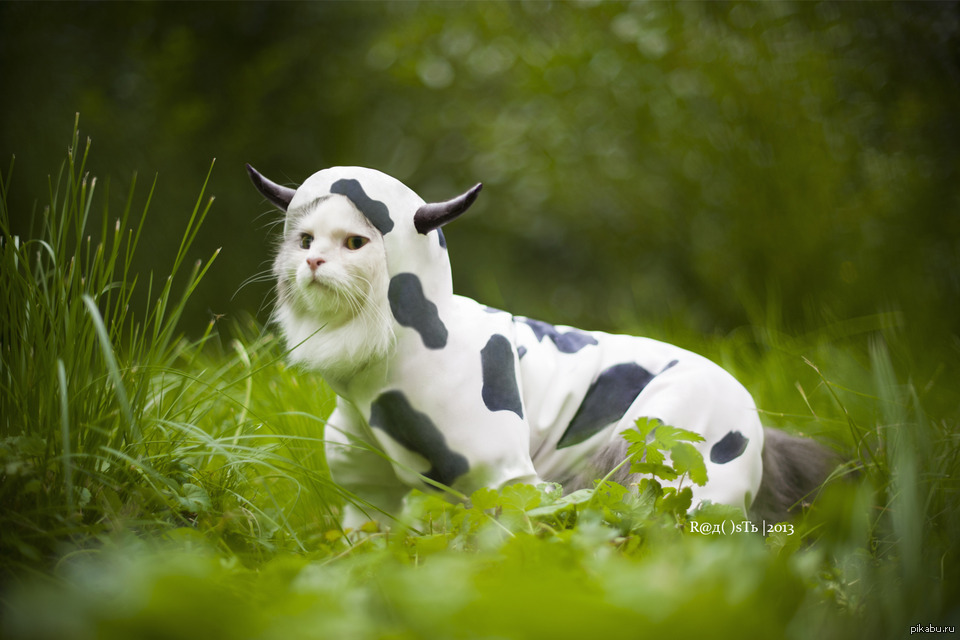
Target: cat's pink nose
{"x": 315, "y": 263}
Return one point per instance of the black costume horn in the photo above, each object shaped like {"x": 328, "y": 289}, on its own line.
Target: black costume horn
{"x": 275, "y": 193}
{"x": 436, "y": 214}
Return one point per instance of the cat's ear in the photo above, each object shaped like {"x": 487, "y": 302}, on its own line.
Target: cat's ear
{"x": 275, "y": 193}
{"x": 434, "y": 215}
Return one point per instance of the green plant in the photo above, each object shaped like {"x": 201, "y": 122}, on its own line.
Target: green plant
{"x": 77, "y": 365}
{"x": 111, "y": 419}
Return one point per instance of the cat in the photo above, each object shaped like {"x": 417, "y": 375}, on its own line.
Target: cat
{"x": 340, "y": 286}
{"x": 435, "y": 389}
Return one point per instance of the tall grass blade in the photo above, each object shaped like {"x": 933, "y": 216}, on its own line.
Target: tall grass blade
{"x": 113, "y": 369}
{"x": 67, "y": 453}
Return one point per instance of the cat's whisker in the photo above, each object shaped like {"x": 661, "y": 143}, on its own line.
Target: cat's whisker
{"x": 272, "y": 220}
{"x": 263, "y": 276}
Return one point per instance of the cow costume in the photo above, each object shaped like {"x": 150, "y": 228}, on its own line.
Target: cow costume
{"x": 471, "y": 397}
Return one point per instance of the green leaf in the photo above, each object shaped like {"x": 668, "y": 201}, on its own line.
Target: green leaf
{"x": 650, "y": 490}
{"x": 649, "y": 442}
{"x": 430, "y": 544}
{"x": 563, "y": 504}
{"x": 669, "y": 437}
{"x": 687, "y": 460}
{"x": 484, "y": 499}
{"x": 194, "y": 498}
{"x": 676, "y": 502}
{"x": 662, "y": 471}
{"x": 520, "y": 496}
{"x": 640, "y": 450}
{"x": 641, "y": 431}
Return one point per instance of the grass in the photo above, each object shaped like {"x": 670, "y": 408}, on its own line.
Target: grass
{"x": 157, "y": 486}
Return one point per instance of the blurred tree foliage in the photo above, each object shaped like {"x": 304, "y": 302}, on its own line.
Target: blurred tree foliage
{"x": 645, "y": 164}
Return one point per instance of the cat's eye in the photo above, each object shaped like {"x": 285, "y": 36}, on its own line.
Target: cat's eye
{"x": 305, "y": 240}
{"x": 355, "y": 242}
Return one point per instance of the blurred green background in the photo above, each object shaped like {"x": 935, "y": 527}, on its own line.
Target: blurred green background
{"x": 690, "y": 166}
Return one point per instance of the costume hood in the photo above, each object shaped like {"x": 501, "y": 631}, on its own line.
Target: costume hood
{"x": 416, "y": 252}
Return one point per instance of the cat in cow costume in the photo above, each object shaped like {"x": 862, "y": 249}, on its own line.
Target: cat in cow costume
{"x": 432, "y": 384}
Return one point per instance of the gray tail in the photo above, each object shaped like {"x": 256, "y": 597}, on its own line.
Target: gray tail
{"x": 793, "y": 470}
